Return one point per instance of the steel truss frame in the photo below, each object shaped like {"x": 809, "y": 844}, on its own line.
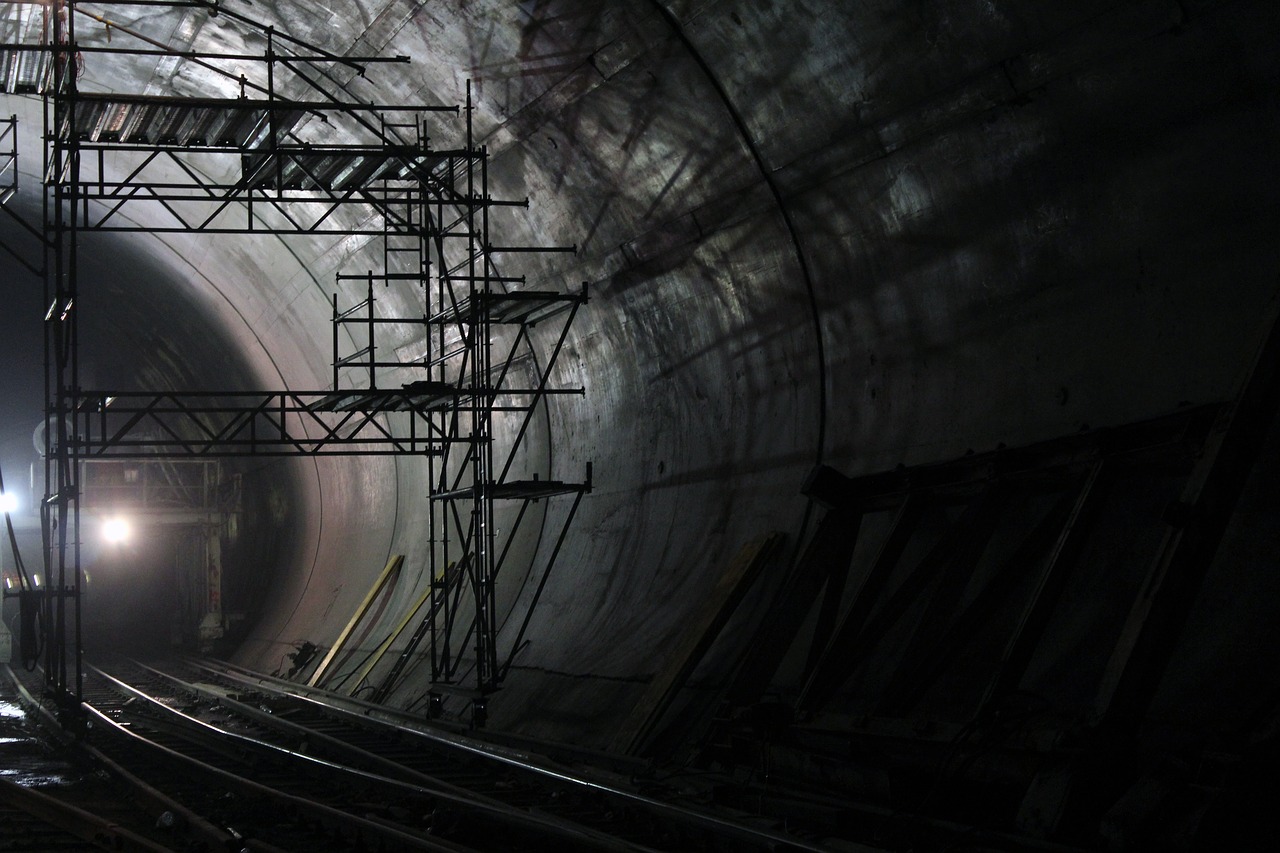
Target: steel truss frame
{"x": 157, "y": 485}
{"x": 447, "y": 248}
{"x": 250, "y": 165}
{"x": 8, "y": 157}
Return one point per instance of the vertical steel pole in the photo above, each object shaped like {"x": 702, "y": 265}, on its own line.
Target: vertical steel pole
{"x": 373, "y": 351}
{"x": 335, "y": 337}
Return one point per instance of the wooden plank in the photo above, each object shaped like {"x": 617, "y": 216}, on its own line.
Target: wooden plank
{"x": 393, "y": 565}
{"x": 701, "y": 632}
{"x": 955, "y": 571}
{"x": 856, "y": 649}
{"x": 824, "y": 676}
{"x": 829, "y": 551}
{"x": 1196, "y": 525}
{"x": 386, "y": 644}
{"x": 828, "y": 611}
{"x": 916, "y": 677}
{"x": 1040, "y": 606}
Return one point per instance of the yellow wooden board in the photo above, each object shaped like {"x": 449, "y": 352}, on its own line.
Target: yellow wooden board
{"x": 393, "y": 565}
{"x": 704, "y": 626}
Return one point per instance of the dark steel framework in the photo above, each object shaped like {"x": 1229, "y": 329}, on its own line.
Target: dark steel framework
{"x": 913, "y": 635}
{"x": 8, "y": 158}
{"x": 263, "y": 163}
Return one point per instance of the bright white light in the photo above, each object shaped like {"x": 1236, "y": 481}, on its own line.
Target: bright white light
{"x": 115, "y": 530}
{"x": 8, "y": 502}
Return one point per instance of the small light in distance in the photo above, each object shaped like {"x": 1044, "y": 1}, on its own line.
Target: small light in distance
{"x": 8, "y": 502}
{"x": 115, "y": 530}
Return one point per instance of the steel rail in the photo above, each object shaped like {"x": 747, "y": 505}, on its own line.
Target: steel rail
{"x": 156, "y": 802}
{"x": 489, "y": 808}
{"x": 314, "y": 737}
{"x": 322, "y": 811}
{"x": 517, "y": 760}
{"x": 75, "y": 821}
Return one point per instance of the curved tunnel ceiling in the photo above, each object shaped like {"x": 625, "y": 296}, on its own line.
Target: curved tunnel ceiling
{"x": 858, "y": 233}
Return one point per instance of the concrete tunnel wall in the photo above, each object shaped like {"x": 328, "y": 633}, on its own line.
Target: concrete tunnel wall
{"x": 866, "y": 233}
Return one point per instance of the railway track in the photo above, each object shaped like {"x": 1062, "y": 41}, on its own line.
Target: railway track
{"x": 276, "y": 770}
{"x": 30, "y": 824}
{"x": 52, "y": 800}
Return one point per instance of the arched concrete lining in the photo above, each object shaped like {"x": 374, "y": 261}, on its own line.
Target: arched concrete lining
{"x": 1016, "y": 222}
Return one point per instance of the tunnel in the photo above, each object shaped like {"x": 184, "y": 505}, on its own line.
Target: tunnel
{"x": 822, "y": 242}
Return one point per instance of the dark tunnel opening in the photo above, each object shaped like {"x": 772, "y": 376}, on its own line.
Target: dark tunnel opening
{"x": 143, "y": 329}
{"x": 938, "y": 240}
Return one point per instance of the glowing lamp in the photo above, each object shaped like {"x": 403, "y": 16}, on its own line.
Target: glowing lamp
{"x": 115, "y": 530}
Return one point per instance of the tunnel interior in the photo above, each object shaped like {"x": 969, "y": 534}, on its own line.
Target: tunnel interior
{"x": 1005, "y": 250}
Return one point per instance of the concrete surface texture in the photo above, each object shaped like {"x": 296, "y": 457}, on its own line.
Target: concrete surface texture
{"x": 862, "y": 233}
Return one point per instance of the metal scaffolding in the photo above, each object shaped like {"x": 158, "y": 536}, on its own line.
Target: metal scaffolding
{"x": 265, "y": 163}
{"x": 8, "y": 158}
